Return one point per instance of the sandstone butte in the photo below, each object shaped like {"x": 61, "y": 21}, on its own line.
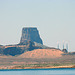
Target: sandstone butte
{"x": 42, "y": 53}
{"x": 30, "y": 41}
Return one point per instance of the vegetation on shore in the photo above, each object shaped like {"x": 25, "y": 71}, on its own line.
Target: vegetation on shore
{"x": 39, "y": 66}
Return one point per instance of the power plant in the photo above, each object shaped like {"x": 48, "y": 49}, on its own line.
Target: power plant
{"x": 65, "y": 48}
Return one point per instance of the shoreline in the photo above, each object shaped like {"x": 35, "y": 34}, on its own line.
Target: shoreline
{"x": 34, "y": 67}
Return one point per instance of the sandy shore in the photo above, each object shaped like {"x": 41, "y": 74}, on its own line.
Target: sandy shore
{"x": 34, "y": 67}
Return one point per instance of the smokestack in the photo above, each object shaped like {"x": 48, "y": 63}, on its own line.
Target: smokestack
{"x": 67, "y": 46}
{"x": 58, "y": 45}
{"x": 63, "y": 44}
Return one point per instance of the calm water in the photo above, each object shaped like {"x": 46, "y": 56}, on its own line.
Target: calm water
{"x": 39, "y": 72}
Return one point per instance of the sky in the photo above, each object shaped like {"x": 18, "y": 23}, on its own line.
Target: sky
{"x": 55, "y": 20}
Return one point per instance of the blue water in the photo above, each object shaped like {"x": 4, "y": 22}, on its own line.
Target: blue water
{"x": 63, "y": 71}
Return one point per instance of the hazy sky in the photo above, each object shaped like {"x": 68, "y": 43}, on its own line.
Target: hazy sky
{"x": 55, "y": 20}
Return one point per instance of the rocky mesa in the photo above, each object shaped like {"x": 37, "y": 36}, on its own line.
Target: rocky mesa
{"x": 30, "y": 40}
{"x": 30, "y": 34}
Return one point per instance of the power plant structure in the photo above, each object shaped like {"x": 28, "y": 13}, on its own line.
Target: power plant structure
{"x": 63, "y": 45}
{"x": 58, "y": 46}
{"x": 67, "y": 46}
{"x": 64, "y": 49}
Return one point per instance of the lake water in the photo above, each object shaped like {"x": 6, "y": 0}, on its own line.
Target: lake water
{"x": 69, "y": 71}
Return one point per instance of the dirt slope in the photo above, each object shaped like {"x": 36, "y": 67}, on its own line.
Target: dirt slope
{"x": 42, "y": 53}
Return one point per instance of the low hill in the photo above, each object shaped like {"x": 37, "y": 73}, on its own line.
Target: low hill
{"x": 42, "y": 53}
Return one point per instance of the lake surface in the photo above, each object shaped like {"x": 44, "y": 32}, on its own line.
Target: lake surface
{"x": 63, "y": 71}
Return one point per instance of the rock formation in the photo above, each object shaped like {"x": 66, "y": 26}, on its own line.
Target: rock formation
{"x": 30, "y": 40}
{"x": 30, "y": 34}
{"x": 13, "y": 51}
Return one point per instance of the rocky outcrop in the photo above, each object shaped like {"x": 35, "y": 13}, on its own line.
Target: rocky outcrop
{"x": 30, "y": 34}
{"x": 1, "y": 51}
{"x": 13, "y": 51}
